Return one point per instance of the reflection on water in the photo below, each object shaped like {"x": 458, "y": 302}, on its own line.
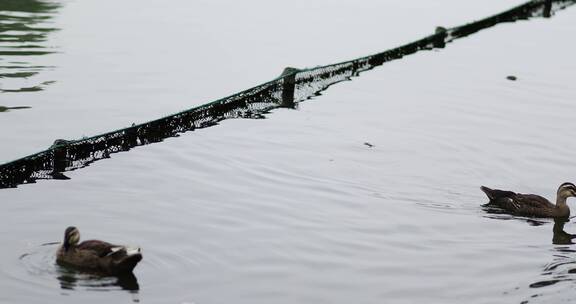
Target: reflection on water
{"x": 71, "y": 279}
{"x": 563, "y": 266}
{"x": 496, "y": 212}
{"x": 561, "y": 237}
{"x": 24, "y": 29}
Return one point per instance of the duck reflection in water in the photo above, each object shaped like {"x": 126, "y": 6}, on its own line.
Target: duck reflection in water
{"x": 71, "y": 279}
{"x": 561, "y": 269}
{"x": 561, "y": 237}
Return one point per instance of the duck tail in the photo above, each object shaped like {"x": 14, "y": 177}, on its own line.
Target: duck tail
{"x": 489, "y": 192}
{"x": 127, "y": 264}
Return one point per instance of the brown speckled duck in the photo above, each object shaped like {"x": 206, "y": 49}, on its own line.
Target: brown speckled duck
{"x": 96, "y": 256}
{"x": 530, "y": 204}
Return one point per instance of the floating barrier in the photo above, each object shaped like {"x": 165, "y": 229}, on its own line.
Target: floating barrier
{"x": 290, "y": 88}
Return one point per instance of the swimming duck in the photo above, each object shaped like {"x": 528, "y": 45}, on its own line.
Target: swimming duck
{"x": 96, "y": 256}
{"x": 530, "y": 204}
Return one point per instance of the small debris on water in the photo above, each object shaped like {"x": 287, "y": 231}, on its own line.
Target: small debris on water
{"x": 512, "y": 77}
{"x": 368, "y": 144}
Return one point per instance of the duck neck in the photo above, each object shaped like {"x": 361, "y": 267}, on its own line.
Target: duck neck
{"x": 68, "y": 247}
{"x": 560, "y": 201}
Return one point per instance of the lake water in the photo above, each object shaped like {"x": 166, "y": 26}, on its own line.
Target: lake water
{"x": 368, "y": 193}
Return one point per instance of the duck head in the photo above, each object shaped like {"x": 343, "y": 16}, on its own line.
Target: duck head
{"x": 71, "y": 237}
{"x": 567, "y": 190}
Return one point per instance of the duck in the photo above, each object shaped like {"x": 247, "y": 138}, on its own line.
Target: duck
{"x": 96, "y": 256}
{"x": 532, "y": 205}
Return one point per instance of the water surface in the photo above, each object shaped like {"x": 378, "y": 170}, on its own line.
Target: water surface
{"x": 297, "y": 208}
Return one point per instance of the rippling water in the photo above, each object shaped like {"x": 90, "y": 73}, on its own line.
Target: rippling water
{"x": 366, "y": 194}
{"x": 25, "y": 26}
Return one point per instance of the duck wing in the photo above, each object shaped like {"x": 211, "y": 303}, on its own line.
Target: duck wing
{"x": 99, "y": 248}
{"x": 528, "y": 204}
{"x": 533, "y": 200}
{"x": 534, "y": 205}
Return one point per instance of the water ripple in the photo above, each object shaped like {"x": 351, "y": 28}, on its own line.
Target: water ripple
{"x": 24, "y": 29}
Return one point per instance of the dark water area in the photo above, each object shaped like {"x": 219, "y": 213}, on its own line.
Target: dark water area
{"x": 367, "y": 193}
